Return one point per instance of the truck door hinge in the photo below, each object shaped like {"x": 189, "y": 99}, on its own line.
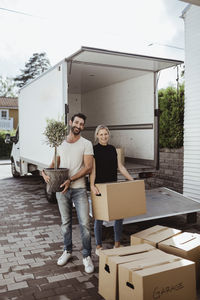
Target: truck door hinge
{"x": 66, "y": 112}
{"x": 66, "y": 108}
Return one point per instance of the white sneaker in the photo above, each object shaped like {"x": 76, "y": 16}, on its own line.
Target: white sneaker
{"x": 63, "y": 259}
{"x": 98, "y": 250}
{"x": 89, "y": 267}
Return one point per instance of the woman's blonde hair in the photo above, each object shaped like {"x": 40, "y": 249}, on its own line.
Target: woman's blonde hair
{"x": 99, "y": 127}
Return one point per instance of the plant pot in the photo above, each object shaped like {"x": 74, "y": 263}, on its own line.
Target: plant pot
{"x": 57, "y": 177}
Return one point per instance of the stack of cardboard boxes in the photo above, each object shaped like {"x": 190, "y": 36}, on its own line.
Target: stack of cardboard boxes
{"x": 182, "y": 244}
{"x": 161, "y": 263}
{"x": 143, "y": 271}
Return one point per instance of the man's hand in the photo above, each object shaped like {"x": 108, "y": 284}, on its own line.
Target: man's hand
{"x": 46, "y": 178}
{"x": 66, "y": 185}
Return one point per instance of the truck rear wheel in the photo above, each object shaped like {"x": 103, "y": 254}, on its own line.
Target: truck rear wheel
{"x": 13, "y": 170}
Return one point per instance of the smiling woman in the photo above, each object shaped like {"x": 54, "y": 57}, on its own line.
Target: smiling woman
{"x": 105, "y": 165}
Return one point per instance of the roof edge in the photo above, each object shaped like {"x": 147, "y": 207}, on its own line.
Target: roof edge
{"x": 91, "y": 49}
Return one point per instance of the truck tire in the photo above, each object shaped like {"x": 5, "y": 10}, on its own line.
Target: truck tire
{"x": 13, "y": 170}
{"x": 35, "y": 173}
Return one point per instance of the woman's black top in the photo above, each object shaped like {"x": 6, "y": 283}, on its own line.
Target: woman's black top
{"x": 106, "y": 163}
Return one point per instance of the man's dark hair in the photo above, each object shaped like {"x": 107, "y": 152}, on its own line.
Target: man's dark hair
{"x": 79, "y": 115}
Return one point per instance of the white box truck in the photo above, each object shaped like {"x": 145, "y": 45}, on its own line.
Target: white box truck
{"x": 112, "y": 88}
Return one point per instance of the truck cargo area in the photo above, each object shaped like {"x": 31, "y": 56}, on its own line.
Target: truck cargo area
{"x": 119, "y": 90}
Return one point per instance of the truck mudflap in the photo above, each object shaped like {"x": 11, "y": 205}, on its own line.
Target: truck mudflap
{"x": 161, "y": 203}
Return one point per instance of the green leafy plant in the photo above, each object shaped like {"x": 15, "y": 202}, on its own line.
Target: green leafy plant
{"x": 55, "y": 133}
{"x": 5, "y": 149}
{"x": 171, "y": 104}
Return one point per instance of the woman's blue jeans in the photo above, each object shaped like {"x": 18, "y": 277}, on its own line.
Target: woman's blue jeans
{"x": 118, "y": 224}
{"x": 65, "y": 202}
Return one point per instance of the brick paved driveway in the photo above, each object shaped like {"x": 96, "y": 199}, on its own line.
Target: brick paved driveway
{"x": 31, "y": 242}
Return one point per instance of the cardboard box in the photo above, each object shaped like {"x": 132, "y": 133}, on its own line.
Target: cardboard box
{"x": 163, "y": 277}
{"x": 109, "y": 260}
{"x": 119, "y": 200}
{"x": 153, "y": 235}
{"x": 120, "y": 154}
{"x": 185, "y": 245}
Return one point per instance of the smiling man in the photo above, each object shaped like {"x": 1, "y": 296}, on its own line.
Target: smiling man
{"x": 76, "y": 154}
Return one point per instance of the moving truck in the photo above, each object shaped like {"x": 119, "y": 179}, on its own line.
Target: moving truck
{"x": 112, "y": 88}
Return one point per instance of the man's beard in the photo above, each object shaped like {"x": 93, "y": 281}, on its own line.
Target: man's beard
{"x": 75, "y": 132}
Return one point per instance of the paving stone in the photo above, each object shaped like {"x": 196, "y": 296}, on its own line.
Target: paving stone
{"x": 89, "y": 285}
{"x": 30, "y": 291}
{"x": 73, "y": 275}
{"x": 7, "y": 281}
{"x": 16, "y": 286}
{"x": 32, "y": 239}
{"x": 4, "y": 269}
{"x": 44, "y": 294}
{"x": 21, "y": 277}
{"x": 84, "y": 278}
{"x": 47, "y": 285}
{"x": 10, "y": 295}
{"x": 64, "y": 290}
{"x": 56, "y": 278}
{"x": 60, "y": 297}
{"x": 37, "y": 282}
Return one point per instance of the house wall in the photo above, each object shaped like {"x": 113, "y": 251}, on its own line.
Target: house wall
{"x": 13, "y": 113}
{"x": 191, "y": 174}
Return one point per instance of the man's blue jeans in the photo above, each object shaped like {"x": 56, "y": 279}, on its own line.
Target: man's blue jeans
{"x": 65, "y": 202}
{"x": 118, "y": 224}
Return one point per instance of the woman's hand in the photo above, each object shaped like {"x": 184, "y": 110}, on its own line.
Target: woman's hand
{"x": 66, "y": 185}
{"x": 45, "y": 177}
{"x": 94, "y": 190}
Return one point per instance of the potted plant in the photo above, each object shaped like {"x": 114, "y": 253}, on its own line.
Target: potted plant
{"x": 55, "y": 133}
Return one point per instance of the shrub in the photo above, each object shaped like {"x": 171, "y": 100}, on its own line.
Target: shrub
{"x": 5, "y": 149}
{"x": 171, "y": 117}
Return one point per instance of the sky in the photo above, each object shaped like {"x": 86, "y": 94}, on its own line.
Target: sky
{"x": 61, "y": 27}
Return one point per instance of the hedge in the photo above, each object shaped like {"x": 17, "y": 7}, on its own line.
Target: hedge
{"x": 171, "y": 107}
{"x": 5, "y": 149}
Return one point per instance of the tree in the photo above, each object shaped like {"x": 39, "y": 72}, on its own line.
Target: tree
{"x": 55, "y": 133}
{"x": 8, "y": 87}
{"x": 171, "y": 106}
{"x": 36, "y": 65}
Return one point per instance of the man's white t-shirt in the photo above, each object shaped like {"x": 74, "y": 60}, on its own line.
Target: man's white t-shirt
{"x": 71, "y": 157}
